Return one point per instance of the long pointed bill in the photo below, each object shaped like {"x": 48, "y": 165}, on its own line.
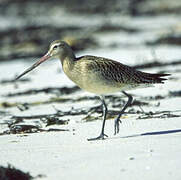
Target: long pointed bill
{"x": 43, "y": 59}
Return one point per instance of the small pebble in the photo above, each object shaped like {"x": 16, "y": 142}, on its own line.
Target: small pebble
{"x": 131, "y": 158}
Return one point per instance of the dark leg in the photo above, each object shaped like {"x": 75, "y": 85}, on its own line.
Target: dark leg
{"x": 104, "y": 108}
{"x": 117, "y": 120}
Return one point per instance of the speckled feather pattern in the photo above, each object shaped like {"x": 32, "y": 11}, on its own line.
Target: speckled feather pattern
{"x": 118, "y": 72}
{"x": 101, "y": 76}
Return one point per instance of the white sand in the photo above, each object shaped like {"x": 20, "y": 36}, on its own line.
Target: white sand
{"x": 133, "y": 154}
{"x": 147, "y": 149}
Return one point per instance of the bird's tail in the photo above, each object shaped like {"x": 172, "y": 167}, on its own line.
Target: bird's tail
{"x": 152, "y": 78}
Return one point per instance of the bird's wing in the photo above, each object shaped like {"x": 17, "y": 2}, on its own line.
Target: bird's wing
{"x": 118, "y": 72}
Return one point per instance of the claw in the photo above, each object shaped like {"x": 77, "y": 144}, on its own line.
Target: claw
{"x": 101, "y": 137}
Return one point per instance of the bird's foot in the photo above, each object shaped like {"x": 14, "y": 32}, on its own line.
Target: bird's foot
{"x": 116, "y": 125}
{"x": 101, "y": 137}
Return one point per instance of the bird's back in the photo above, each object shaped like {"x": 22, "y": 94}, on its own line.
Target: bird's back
{"x": 118, "y": 72}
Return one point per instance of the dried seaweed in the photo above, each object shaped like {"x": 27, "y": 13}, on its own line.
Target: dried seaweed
{"x": 175, "y": 93}
{"x": 159, "y": 114}
{"x": 11, "y": 173}
{"x": 157, "y": 64}
{"x": 6, "y": 81}
{"x": 50, "y": 90}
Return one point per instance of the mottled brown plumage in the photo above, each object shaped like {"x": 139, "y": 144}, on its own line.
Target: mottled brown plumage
{"x": 118, "y": 72}
{"x": 99, "y": 75}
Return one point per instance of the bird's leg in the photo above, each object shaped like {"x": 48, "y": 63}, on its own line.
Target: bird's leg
{"x": 104, "y": 108}
{"x": 117, "y": 120}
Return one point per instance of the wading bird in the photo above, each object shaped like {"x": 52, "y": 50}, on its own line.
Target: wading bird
{"x": 99, "y": 75}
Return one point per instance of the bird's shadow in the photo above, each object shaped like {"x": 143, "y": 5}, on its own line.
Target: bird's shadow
{"x": 151, "y": 133}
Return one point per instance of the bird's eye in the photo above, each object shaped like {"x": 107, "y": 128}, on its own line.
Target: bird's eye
{"x": 55, "y": 47}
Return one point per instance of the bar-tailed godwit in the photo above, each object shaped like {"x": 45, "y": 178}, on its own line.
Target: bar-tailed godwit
{"x": 99, "y": 75}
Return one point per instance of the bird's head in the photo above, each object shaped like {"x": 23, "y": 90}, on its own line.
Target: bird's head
{"x": 58, "y": 49}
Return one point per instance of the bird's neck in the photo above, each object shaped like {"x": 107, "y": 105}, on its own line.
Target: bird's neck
{"x": 67, "y": 58}
{"x": 68, "y": 63}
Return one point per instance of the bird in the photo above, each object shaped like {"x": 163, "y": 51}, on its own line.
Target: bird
{"x": 100, "y": 76}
